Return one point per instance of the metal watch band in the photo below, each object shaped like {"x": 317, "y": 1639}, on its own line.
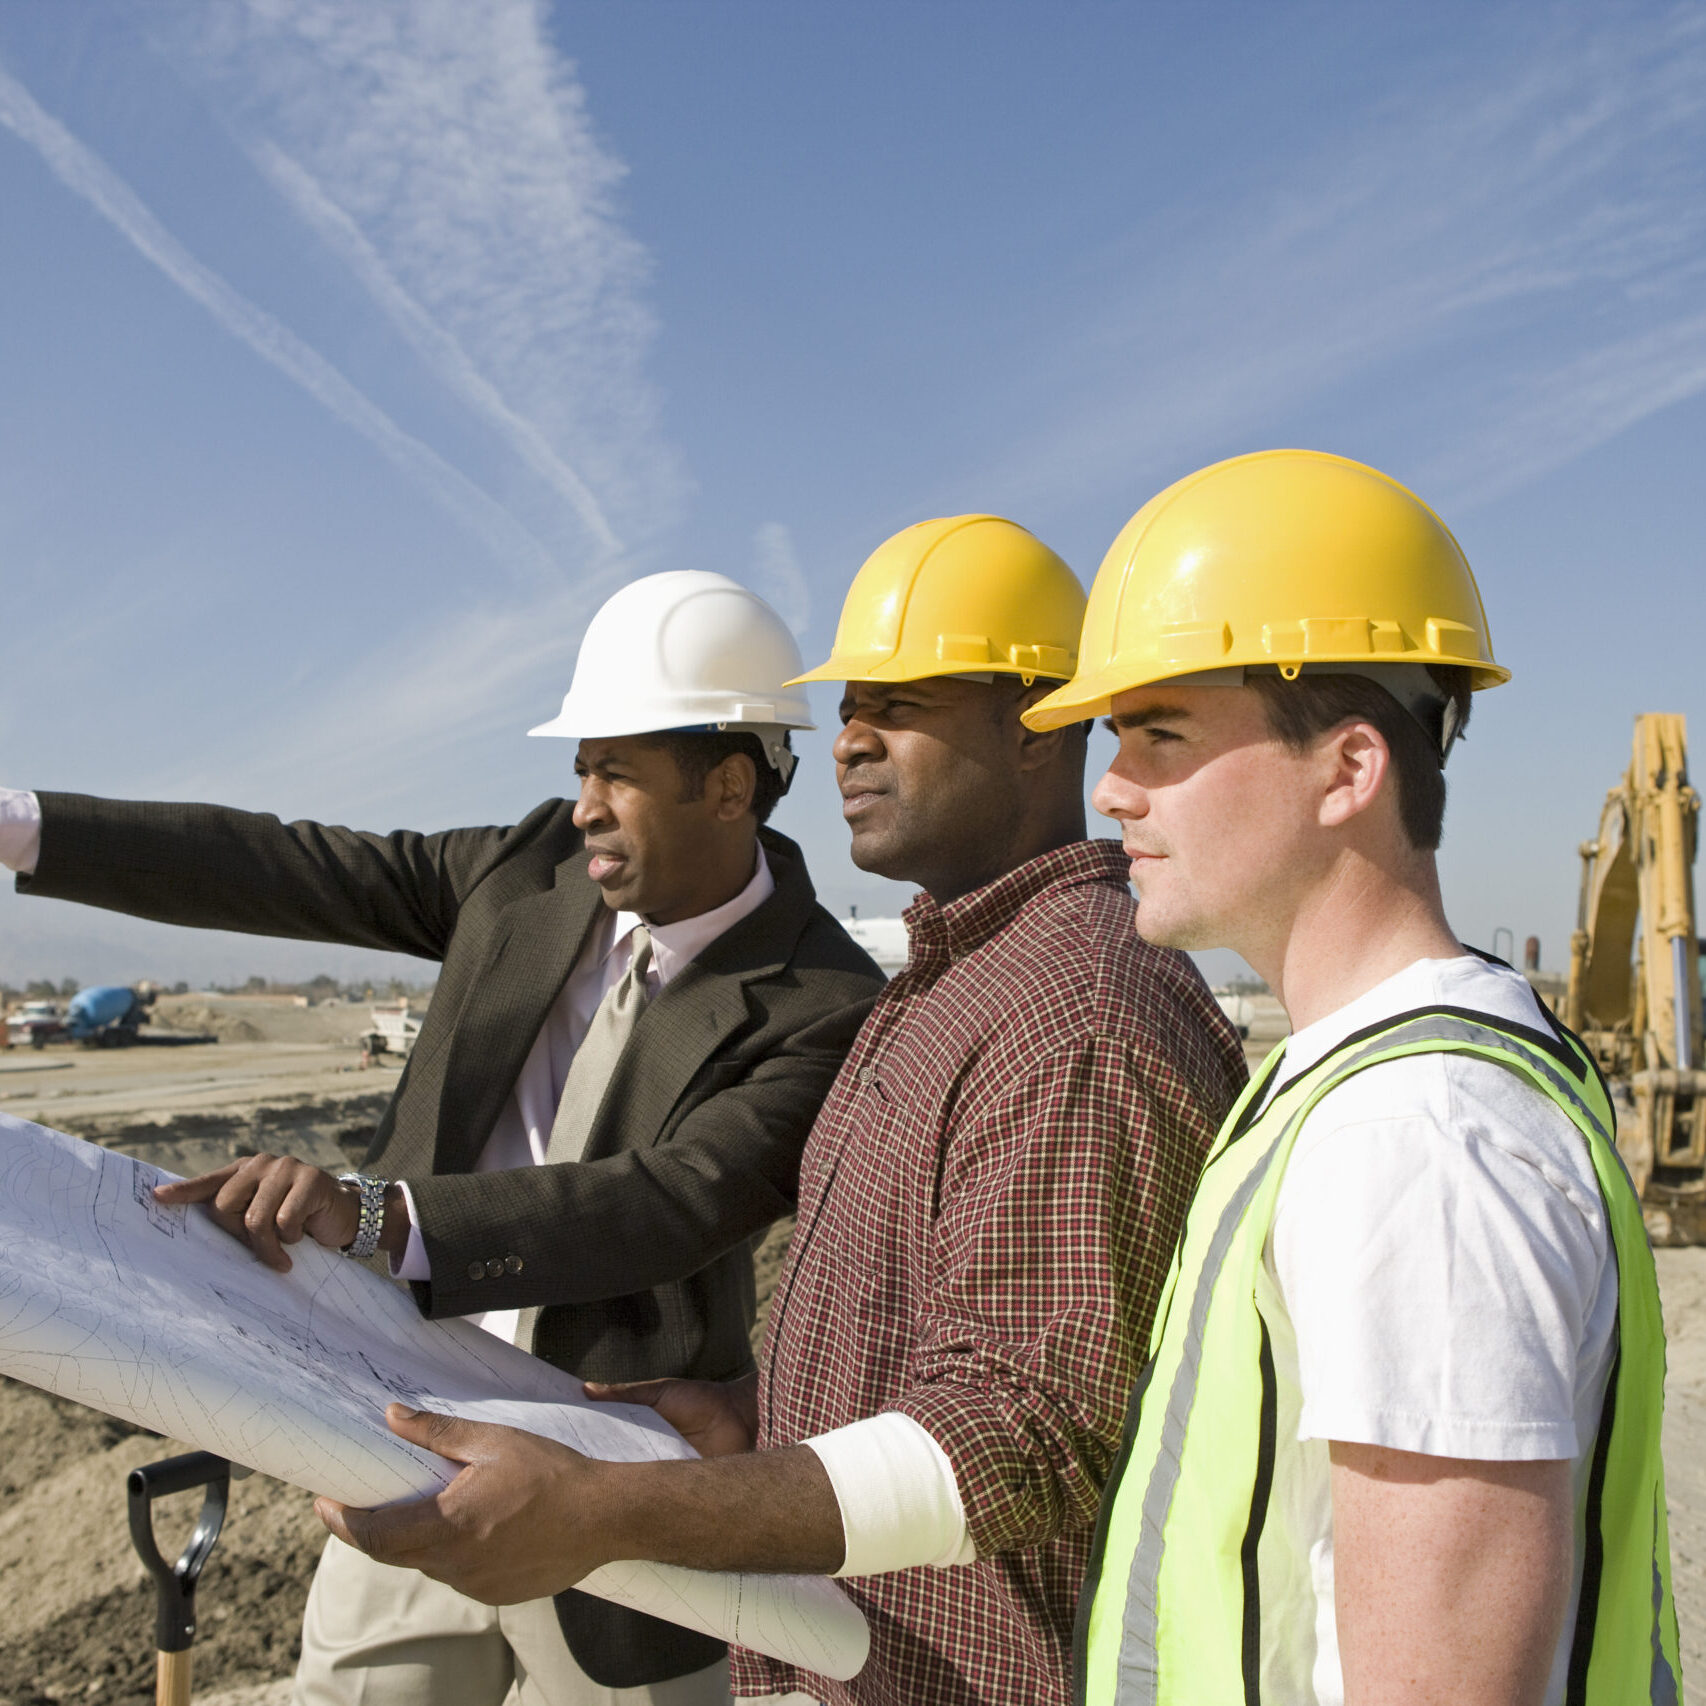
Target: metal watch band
{"x": 372, "y": 1221}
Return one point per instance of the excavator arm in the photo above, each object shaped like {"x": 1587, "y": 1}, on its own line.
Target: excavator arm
{"x": 1634, "y": 993}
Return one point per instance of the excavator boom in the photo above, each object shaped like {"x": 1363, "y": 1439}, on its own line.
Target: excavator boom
{"x": 1634, "y": 992}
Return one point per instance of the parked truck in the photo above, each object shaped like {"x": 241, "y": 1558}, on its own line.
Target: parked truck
{"x": 108, "y": 1016}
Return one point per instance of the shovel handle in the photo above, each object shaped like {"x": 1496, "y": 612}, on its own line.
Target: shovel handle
{"x": 172, "y": 1679}
{"x": 174, "y": 1584}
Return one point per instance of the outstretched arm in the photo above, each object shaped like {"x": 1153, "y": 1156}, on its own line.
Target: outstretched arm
{"x": 527, "y": 1517}
{"x": 215, "y": 868}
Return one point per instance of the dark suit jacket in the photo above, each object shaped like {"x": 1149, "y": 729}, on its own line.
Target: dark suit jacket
{"x": 639, "y": 1254}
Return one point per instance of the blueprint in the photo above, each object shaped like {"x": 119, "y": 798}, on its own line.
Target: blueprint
{"x": 156, "y": 1315}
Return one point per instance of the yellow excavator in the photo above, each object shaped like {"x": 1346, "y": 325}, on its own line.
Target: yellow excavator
{"x": 1634, "y": 995}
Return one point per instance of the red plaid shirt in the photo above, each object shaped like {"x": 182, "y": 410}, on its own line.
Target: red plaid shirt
{"x": 988, "y": 1205}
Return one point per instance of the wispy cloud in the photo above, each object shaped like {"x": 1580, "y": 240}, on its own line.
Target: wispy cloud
{"x": 452, "y": 363}
{"x": 776, "y": 576}
{"x": 442, "y": 696}
{"x": 443, "y": 150}
{"x": 86, "y": 175}
{"x": 1539, "y": 226}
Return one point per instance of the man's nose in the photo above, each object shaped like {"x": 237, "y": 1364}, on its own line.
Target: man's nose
{"x": 1119, "y": 797}
{"x": 593, "y": 807}
{"x": 856, "y": 740}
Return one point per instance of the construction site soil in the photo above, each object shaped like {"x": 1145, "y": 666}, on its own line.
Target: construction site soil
{"x": 77, "y": 1611}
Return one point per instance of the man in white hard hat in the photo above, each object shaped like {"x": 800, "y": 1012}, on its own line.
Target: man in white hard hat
{"x": 640, "y": 1008}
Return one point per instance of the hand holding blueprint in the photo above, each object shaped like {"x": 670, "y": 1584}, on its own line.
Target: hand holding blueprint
{"x": 155, "y": 1315}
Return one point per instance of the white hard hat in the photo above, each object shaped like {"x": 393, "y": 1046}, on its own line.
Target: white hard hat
{"x": 686, "y": 650}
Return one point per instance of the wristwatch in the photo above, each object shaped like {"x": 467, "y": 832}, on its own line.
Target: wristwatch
{"x": 372, "y": 1221}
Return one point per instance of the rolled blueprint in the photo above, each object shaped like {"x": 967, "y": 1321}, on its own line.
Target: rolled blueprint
{"x": 156, "y": 1315}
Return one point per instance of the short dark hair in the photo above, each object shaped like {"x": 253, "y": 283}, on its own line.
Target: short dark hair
{"x": 697, "y": 755}
{"x": 1309, "y": 705}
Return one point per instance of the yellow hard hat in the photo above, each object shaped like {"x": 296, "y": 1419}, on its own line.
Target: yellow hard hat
{"x": 968, "y": 595}
{"x": 1287, "y": 557}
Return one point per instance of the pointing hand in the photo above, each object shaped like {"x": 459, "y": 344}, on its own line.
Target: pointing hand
{"x": 272, "y": 1200}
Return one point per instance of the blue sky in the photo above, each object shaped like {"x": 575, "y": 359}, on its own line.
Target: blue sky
{"x": 350, "y": 353}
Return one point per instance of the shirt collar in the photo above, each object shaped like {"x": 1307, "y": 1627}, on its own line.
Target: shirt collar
{"x": 950, "y": 932}
{"x": 673, "y": 945}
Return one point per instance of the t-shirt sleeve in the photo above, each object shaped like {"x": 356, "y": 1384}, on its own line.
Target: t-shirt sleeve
{"x": 1439, "y": 1284}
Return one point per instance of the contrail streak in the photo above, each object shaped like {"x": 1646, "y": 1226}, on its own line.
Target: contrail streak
{"x": 86, "y": 175}
{"x": 437, "y": 346}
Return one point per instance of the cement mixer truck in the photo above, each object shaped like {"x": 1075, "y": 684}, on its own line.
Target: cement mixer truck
{"x": 107, "y": 1016}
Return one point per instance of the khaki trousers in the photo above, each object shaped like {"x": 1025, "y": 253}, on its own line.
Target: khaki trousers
{"x": 374, "y": 1635}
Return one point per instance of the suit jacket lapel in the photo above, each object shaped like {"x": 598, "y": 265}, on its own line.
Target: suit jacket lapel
{"x": 532, "y": 952}
{"x": 690, "y": 1019}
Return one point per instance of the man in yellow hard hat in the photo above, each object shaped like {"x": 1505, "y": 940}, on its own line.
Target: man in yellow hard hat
{"x": 1398, "y": 1438}
{"x": 988, "y": 1198}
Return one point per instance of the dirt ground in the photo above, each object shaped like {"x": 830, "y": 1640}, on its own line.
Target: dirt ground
{"x": 76, "y": 1611}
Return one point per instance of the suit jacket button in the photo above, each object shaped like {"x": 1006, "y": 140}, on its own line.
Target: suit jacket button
{"x": 476, "y": 1270}
{"x": 495, "y": 1268}
{"x": 512, "y": 1264}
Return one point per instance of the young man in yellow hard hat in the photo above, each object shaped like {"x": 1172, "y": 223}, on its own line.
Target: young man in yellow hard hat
{"x": 1398, "y": 1439}
{"x": 988, "y": 1199}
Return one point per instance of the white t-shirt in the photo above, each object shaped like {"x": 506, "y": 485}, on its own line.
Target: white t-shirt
{"x": 1437, "y": 1279}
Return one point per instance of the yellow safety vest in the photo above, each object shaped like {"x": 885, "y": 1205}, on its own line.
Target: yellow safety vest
{"x": 1172, "y": 1611}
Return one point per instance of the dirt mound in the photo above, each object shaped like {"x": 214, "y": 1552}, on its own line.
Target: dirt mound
{"x": 262, "y": 1021}
{"x": 41, "y": 1434}
{"x": 102, "y": 1649}
{"x": 79, "y": 1617}
{"x": 328, "y": 1133}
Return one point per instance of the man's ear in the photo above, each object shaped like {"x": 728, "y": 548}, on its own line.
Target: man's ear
{"x": 1037, "y": 748}
{"x": 733, "y": 786}
{"x": 1355, "y": 764}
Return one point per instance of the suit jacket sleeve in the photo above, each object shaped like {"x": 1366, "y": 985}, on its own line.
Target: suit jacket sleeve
{"x": 216, "y": 868}
{"x": 590, "y": 1230}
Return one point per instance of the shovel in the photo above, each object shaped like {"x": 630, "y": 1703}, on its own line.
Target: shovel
{"x": 174, "y": 1584}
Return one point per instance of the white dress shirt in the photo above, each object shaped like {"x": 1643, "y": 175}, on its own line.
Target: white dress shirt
{"x": 20, "y": 830}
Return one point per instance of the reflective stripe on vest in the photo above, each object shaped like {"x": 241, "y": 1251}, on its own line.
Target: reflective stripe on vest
{"x": 1171, "y": 1613}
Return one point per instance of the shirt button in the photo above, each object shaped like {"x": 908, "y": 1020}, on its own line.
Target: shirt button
{"x": 495, "y": 1268}
{"x": 512, "y": 1264}
{"x": 476, "y": 1270}
{"x": 867, "y": 1075}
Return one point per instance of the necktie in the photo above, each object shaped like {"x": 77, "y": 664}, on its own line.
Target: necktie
{"x": 589, "y": 1076}
{"x": 601, "y": 1048}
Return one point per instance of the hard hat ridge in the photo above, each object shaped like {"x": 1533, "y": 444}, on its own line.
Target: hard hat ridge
{"x": 685, "y": 651}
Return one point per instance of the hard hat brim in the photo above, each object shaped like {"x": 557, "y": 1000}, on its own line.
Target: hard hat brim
{"x": 1092, "y": 695}
{"x": 572, "y": 728}
{"x": 892, "y": 669}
